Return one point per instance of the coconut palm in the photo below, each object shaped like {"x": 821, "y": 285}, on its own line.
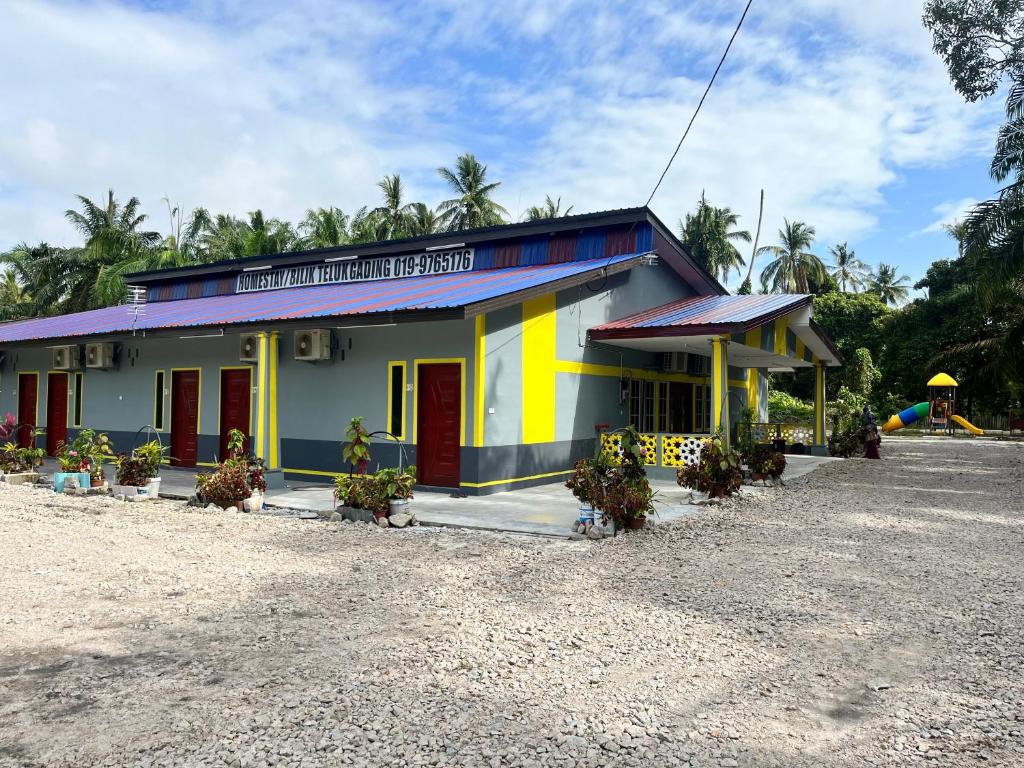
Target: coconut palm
{"x": 394, "y": 212}
{"x": 113, "y": 236}
{"x": 423, "y": 220}
{"x": 889, "y": 288}
{"x": 552, "y": 209}
{"x": 262, "y": 236}
{"x": 472, "y": 205}
{"x": 184, "y": 244}
{"x": 709, "y": 234}
{"x": 368, "y": 227}
{"x": 794, "y": 266}
{"x": 324, "y": 228}
{"x": 847, "y": 269}
{"x": 15, "y": 299}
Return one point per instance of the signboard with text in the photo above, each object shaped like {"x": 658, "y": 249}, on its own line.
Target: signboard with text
{"x": 357, "y": 270}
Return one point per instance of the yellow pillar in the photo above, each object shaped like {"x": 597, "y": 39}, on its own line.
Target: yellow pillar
{"x": 720, "y": 386}
{"x": 480, "y": 360}
{"x": 266, "y": 443}
{"x": 753, "y": 339}
{"x": 819, "y": 403}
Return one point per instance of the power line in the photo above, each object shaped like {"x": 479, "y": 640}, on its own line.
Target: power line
{"x": 700, "y": 103}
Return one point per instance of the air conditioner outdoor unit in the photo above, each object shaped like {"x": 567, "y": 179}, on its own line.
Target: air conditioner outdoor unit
{"x": 249, "y": 348}
{"x": 673, "y": 361}
{"x": 312, "y": 345}
{"x": 99, "y": 355}
{"x": 65, "y": 358}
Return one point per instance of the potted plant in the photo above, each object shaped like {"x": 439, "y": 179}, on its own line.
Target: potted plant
{"x": 717, "y": 473}
{"x": 357, "y": 449}
{"x": 138, "y": 474}
{"x": 396, "y": 486}
{"x": 18, "y": 464}
{"x": 7, "y": 428}
{"x": 625, "y": 493}
{"x": 765, "y": 464}
{"x": 72, "y": 465}
{"x": 362, "y": 494}
{"x": 587, "y": 483}
{"x": 236, "y": 482}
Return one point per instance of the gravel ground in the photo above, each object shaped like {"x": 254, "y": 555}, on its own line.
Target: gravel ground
{"x": 869, "y": 614}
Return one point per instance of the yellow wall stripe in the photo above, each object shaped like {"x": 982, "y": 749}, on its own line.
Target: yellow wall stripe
{"x": 539, "y": 324}
{"x": 781, "y": 326}
{"x": 595, "y": 369}
{"x": 480, "y": 360}
{"x": 261, "y": 395}
{"x": 274, "y": 461}
{"x": 515, "y": 479}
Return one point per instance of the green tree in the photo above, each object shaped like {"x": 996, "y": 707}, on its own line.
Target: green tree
{"x": 794, "y": 266}
{"x": 473, "y": 204}
{"x": 979, "y": 40}
{"x": 709, "y": 233}
{"x": 552, "y": 209}
{"x": 887, "y": 286}
{"x": 423, "y": 220}
{"x": 395, "y": 213}
{"x": 324, "y": 228}
{"x": 847, "y": 270}
{"x": 114, "y": 239}
{"x": 183, "y": 245}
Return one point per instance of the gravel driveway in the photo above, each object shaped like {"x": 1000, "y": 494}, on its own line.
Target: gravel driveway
{"x": 869, "y": 614}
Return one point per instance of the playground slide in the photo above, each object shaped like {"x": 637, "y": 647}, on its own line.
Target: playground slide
{"x": 967, "y": 425}
{"x": 906, "y": 417}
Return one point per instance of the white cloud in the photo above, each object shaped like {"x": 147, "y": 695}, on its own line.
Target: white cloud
{"x": 949, "y": 212}
{"x": 257, "y": 104}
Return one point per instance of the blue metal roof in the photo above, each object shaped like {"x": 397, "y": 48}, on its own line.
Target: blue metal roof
{"x": 432, "y": 292}
{"x": 709, "y": 311}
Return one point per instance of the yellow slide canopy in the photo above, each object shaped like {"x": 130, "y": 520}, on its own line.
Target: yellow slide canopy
{"x": 942, "y": 380}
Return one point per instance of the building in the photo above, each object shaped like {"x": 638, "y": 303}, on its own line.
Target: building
{"x": 495, "y": 357}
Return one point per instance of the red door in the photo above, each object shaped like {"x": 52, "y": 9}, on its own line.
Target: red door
{"x": 235, "y": 389}
{"x": 184, "y": 418}
{"x": 439, "y": 424}
{"x": 56, "y": 411}
{"x": 28, "y": 392}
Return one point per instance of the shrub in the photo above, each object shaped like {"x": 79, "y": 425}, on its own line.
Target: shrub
{"x": 14, "y": 459}
{"x": 717, "y": 473}
{"x": 624, "y": 492}
{"x": 226, "y": 487}
{"x": 362, "y": 492}
{"x": 783, "y": 408}
{"x": 765, "y": 462}
{"x": 7, "y": 427}
{"x": 847, "y": 438}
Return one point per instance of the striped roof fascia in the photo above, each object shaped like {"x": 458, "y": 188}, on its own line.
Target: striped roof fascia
{"x": 452, "y": 296}
{"x": 404, "y": 245}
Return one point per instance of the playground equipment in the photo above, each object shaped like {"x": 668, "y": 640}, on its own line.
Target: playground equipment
{"x": 939, "y": 412}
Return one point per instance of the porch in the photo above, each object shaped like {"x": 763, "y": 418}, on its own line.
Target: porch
{"x": 717, "y": 352}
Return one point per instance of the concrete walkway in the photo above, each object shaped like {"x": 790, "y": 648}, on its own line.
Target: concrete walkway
{"x": 545, "y": 510}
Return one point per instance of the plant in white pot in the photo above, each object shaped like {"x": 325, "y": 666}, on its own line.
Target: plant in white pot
{"x": 396, "y": 485}
{"x": 138, "y": 475}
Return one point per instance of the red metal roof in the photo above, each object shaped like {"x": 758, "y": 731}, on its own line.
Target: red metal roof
{"x": 703, "y": 314}
{"x": 434, "y": 292}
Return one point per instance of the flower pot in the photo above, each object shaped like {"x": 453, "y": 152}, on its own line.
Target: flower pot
{"x": 152, "y": 488}
{"x": 96, "y": 482}
{"x": 379, "y": 515}
{"x": 397, "y": 506}
{"x": 636, "y": 523}
{"x": 586, "y": 513}
{"x": 60, "y": 480}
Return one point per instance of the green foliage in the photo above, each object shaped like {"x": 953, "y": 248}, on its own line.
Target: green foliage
{"x": 847, "y": 270}
{"x": 227, "y": 486}
{"x": 847, "y": 438}
{"x": 765, "y": 462}
{"x": 887, "y": 287}
{"x": 15, "y": 459}
{"x": 717, "y": 473}
{"x": 709, "y": 234}
{"x": 142, "y": 465}
{"x": 552, "y": 209}
{"x": 981, "y": 41}
{"x": 783, "y": 408}
{"x": 794, "y": 267}
{"x": 395, "y": 483}
{"x": 473, "y": 204}
{"x": 357, "y": 450}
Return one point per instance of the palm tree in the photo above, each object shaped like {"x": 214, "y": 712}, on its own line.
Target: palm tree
{"x": 324, "y": 228}
{"x": 368, "y": 227}
{"x": 847, "y": 269}
{"x": 793, "y": 267}
{"x": 889, "y": 288}
{"x": 113, "y": 237}
{"x": 472, "y": 205}
{"x": 552, "y": 209}
{"x": 423, "y": 220}
{"x": 395, "y": 213}
{"x": 40, "y": 274}
{"x": 184, "y": 244}
{"x": 709, "y": 234}
{"x": 15, "y": 299}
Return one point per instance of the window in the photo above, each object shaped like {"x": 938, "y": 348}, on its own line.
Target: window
{"x": 663, "y": 406}
{"x": 702, "y": 408}
{"x": 158, "y": 407}
{"x": 641, "y": 405}
{"x": 396, "y": 399}
{"x": 77, "y": 412}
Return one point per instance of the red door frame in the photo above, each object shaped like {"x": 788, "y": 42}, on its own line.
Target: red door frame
{"x": 184, "y": 417}
{"x": 27, "y": 417}
{"x": 235, "y": 388}
{"x": 439, "y": 423}
{"x": 56, "y": 415}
